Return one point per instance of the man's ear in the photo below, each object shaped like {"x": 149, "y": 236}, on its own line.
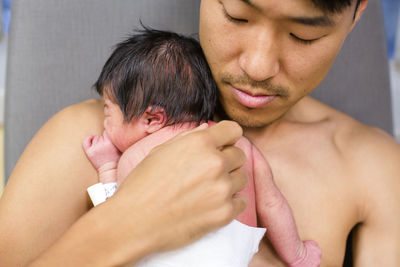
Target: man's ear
{"x": 360, "y": 10}
{"x": 155, "y": 118}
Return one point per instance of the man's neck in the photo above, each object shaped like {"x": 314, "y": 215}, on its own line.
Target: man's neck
{"x": 306, "y": 111}
{"x": 290, "y": 115}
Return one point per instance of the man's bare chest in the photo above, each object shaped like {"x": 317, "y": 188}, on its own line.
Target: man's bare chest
{"x": 314, "y": 183}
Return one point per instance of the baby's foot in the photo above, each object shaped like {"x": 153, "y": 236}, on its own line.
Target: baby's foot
{"x": 310, "y": 256}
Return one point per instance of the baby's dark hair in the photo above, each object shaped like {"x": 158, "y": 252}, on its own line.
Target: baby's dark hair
{"x": 159, "y": 69}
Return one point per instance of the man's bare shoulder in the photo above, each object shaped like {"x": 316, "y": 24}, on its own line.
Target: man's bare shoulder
{"x": 351, "y": 136}
{"x": 89, "y": 111}
{"x": 371, "y": 160}
{"x": 69, "y": 126}
{"x": 356, "y": 140}
{"x": 64, "y": 132}
{"x": 80, "y": 119}
{"x": 371, "y": 154}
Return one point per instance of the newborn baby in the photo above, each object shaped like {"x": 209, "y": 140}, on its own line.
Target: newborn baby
{"x": 155, "y": 85}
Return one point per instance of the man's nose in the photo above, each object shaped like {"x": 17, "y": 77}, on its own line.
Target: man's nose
{"x": 260, "y": 57}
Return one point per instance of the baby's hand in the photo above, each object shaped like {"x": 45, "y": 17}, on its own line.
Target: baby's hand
{"x": 310, "y": 256}
{"x": 101, "y": 152}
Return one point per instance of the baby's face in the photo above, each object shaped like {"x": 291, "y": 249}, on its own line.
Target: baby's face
{"x": 122, "y": 134}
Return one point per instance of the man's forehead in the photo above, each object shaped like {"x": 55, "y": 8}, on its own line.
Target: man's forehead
{"x": 308, "y": 15}
{"x": 258, "y": 4}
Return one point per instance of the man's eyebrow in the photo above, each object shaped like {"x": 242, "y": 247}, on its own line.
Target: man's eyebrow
{"x": 313, "y": 21}
{"x": 309, "y": 21}
{"x": 249, "y": 3}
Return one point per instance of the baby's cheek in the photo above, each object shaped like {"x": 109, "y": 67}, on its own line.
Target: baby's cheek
{"x": 120, "y": 141}
{"x": 115, "y": 136}
{"x": 106, "y": 123}
{"x": 108, "y": 130}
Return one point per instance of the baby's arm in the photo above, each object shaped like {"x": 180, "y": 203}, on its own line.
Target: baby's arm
{"x": 275, "y": 214}
{"x": 103, "y": 155}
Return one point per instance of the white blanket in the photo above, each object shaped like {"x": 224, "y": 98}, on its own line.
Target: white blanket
{"x": 231, "y": 246}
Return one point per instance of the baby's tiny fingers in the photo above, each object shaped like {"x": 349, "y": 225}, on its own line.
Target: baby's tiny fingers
{"x": 95, "y": 140}
{"x": 87, "y": 143}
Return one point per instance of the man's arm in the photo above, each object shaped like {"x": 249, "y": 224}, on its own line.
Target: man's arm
{"x": 42, "y": 206}
{"x": 46, "y": 192}
{"x": 163, "y": 204}
{"x": 377, "y": 238}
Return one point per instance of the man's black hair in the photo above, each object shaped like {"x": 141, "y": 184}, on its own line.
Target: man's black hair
{"x": 334, "y": 6}
{"x": 159, "y": 69}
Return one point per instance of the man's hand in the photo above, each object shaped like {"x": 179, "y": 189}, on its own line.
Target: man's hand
{"x": 183, "y": 189}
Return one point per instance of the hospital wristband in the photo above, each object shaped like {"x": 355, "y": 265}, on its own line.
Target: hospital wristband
{"x": 100, "y": 192}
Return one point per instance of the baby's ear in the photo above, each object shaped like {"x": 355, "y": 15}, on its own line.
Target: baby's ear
{"x": 155, "y": 118}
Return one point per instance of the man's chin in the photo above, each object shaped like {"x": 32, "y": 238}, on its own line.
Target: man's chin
{"x": 252, "y": 124}
{"x": 247, "y": 122}
{"x": 245, "y": 119}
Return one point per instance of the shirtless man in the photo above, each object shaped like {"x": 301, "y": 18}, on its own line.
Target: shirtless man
{"x": 346, "y": 171}
{"x": 173, "y": 91}
{"x": 347, "y": 174}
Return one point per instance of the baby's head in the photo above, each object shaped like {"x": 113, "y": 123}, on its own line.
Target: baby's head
{"x": 151, "y": 80}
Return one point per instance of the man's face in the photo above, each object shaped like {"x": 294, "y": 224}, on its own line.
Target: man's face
{"x": 266, "y": 55}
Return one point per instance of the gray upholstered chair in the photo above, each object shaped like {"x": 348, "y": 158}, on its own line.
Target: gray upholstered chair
{"x": 57, "y": 48}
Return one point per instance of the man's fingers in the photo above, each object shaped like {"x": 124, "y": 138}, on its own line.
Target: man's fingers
{"x": 221, "y": 134}
{"x": 239, "y": 180}
{"x": 225, "y": 133}
{"x": 234, "y": 157}
{"x": 198, "y": 128}
{"x": 239, "y": 203}
{"x": 182, "y": 134}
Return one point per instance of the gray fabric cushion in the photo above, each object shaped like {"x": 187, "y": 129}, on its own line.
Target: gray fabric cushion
{"x": 358, "y": 83}
{"x": 57, "y": 48}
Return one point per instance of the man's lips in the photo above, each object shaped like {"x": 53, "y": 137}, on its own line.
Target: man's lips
{"x": 252, "y": 101}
